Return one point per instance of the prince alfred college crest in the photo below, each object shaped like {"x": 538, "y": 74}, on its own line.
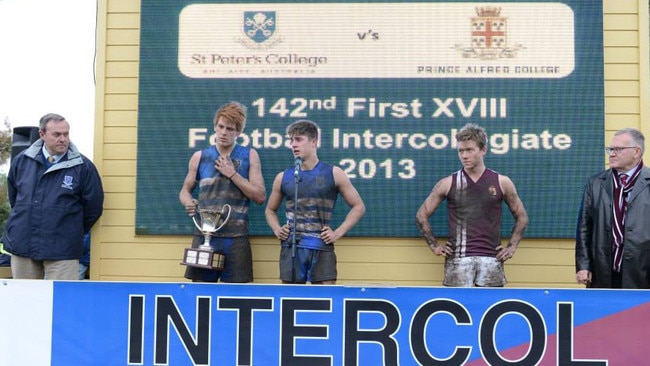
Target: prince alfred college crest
{"x": 489, "y": 36}
{"x": 260, "y": 28}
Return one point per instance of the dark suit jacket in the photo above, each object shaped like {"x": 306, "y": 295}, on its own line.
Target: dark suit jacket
{"x": 593, "y": 250}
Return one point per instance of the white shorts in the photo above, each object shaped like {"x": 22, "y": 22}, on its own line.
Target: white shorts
{"x": 474, "y": 271}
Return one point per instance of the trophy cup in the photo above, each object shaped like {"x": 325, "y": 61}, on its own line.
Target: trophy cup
{"x": 204, "y": 256}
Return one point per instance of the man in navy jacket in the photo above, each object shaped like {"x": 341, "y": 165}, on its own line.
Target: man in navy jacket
{"x": 56, "y": 196}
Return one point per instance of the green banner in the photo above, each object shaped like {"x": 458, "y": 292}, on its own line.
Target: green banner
{"x": 389, "y": 83}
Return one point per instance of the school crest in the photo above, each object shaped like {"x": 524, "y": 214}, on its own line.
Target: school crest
{"x": 259, "y": 26}
{"x": 67, "y": 182}
{"x": 489, "y": 36}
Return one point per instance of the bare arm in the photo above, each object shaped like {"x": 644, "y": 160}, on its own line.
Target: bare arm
{"x": 272, "y": 207}
{"x": 254, "y": 187}
{"x": 185, "y": 195}
{"x": 518, "y": 212}
{"x": 353, "y": 199}
{"x": 428, "y": 207}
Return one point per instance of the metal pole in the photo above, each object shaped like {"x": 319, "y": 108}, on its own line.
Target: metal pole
{"x": 293, "y": 228}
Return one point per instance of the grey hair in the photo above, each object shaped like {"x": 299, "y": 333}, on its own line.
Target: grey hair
{"x": 636, "y": 135}
{"x": 47, "y": 118}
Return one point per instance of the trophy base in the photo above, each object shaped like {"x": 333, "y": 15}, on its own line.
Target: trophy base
{"x": 203, "y": 258}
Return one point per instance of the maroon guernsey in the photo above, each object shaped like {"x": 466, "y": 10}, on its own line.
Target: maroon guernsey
{"x": 474, "y": 214}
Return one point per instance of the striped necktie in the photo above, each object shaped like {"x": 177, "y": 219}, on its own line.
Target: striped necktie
{"x": 619, "y": 206}
{"x": 51, "y": 159}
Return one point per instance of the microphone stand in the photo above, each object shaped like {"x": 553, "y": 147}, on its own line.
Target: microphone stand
{"x": 296, "y": 177}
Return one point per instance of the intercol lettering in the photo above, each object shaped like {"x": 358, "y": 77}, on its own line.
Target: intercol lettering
{"x": 259, "y": 319}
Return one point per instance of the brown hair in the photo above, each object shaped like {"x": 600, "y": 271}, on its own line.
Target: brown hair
{"x": 473, "y": 132}
{"x": 303, "y": 128}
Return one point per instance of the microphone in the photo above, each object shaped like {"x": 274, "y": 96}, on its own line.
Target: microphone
{"x": 297, "y": 164}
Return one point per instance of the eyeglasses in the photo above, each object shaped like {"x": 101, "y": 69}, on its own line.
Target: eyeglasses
{"x": 618, "y": 149}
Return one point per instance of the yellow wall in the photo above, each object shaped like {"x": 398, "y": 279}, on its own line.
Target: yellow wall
{"x": 119, "y": 255}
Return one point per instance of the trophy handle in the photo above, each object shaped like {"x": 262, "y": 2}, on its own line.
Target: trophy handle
{"x": 196, "y": 223}
{"x": 227, "y": 216}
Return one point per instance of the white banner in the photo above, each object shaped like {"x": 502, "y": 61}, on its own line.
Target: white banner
{"x": 26, "y": 333}
{"x": 370, "y": 40}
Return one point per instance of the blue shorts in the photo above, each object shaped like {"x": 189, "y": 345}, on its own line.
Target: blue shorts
{"x": 238, "y": 267}
{"x": 309, "y": 265}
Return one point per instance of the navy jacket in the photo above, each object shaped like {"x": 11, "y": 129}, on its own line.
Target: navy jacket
{"x": 51, "y": 208}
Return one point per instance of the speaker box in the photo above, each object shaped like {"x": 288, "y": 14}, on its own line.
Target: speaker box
{"x": 22, "y": 138}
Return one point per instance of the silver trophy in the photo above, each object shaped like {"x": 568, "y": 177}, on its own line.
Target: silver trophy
{"x": 204, "y": 256}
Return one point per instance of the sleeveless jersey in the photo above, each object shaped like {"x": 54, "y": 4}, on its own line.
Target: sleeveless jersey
{"x": 317, "y": 194}
{"x": 215, "y": 190}
{"x": 474, "y": 214}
